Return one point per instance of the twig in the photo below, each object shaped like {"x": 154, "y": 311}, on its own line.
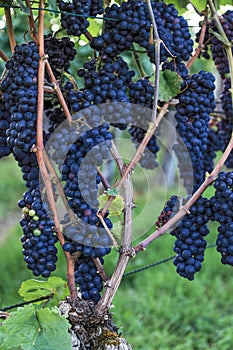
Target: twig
{"x": 138, "y": 154}
{"x": 58, "y": 91}
{"x": 138, "y": 62}
{"x": 200, "y": 42}
{"x": 59, "y": 186}
{"x": 88, "y": 36}
{"x": 104, "y": 181}
{"x": 101, "y": 217}
{"x": 185, "y": 209}
{"x": 40, "y": 155}
{"x": 100, "y": 269}
{"x": 157, "y": 42}
{"x": 33, "y": 31}
{"x": 3, "y": 56}
{"x": 10, "y": 28}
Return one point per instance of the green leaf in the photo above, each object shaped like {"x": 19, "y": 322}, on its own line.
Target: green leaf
{"x": 32, "y": 329}
{"x": 52, "y": 5}
{"x": 24, "y": 8}
{"x": 199, "y": 5}
{"x": 219, "y": 37}
{"x": 180, "y": 5}
{"x": 94, "y": 28}
{"x": 33, "y": 289}
{"x": 112, "y": 192}
{"x": 116, "y": 206}
{"x": 170, "y": 84}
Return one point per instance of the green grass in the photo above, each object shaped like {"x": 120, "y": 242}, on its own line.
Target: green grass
{"x": 11, "y": 186}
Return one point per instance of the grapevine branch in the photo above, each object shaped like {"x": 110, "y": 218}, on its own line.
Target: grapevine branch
{"x": 157, "y": 42}
{"x": 33, "y": 31}
{"x": 53, "y": 80}
{"x": 10, "y": 28}
{"x": 185, "y": 209}
{"x": 40, "y": 155}
{"x": 200, "y": 42}
{"x": 3, "y": 56}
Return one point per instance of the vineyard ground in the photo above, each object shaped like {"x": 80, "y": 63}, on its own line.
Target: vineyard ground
{"x": 163, "y": 310}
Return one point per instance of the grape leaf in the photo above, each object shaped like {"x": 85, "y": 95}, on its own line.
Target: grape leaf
{"x": 116, "y": 206}
{"x": 170, "y": 84}
{"x": 24, "y": 8}
{"x": 180, "y": 5}
{"x": 199, "y": 5}
{"x": 112, "y": 192}
{"x": 52, "y": 5}
{"x": 94, "y": 28}
{"x": 33, "y": 289}
{"x": 31, "y": 329}
{"x": 218, "y": 36}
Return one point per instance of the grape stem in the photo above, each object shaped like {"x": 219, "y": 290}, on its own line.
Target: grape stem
{"x": 10, "y": 29}
{"x": 185, "y": 209}
{"x": 3, "y": 56}
{"x": 33, "y": 31}
{"x": 157, "y": 41}
{"x": 40, "y": 154}
{"x": 200, "y": 42}
{"x": 138, "y": 62}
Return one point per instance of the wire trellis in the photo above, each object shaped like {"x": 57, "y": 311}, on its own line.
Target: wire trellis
{"x": 130, "y": 273}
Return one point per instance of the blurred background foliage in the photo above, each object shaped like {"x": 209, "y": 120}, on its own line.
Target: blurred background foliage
{"x": 156, "y": 309}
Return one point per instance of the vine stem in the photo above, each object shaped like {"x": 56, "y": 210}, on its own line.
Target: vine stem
{"x": 200, "y": 42}
{"x": 113, "y": 283}
{"x": 185, "y": 209}
{"x": 3, "y": 56}
{"x": 40, "y": 155}
{"x": 138, "y": 154}
{"x": 49, "y": 70}
{"x": 33, "y": 31}
{"x": 10, "y": 28}
{"x": 157, "y": 42}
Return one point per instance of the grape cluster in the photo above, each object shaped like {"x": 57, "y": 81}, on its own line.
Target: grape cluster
{"x": 120, "y": 33}
{"x": 5, "y": 148}
{"x": 222, "y": 204}
{"x": 60, "y": 52}
{"x": 74, "y": 14}
{"x": 216, "y": 46}
{"x": 190, "y": 243}
{"x": 196, "y": 103}
{"x": 107, "y": 82}
{"x": 167, "y": 212}
{"x": 148, "y": 159}
{"x": 19, "y": 93}
{"x": 39, "y": 236}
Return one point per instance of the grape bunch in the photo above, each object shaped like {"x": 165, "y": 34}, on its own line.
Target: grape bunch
{"x": 60, "y": 52}
{"x": 74, "y": 14}
{"x": 120, "y": 34}
{"x": 196, "y": 103}
{"x": 217, "y": 46}
{"x": 190, "y": 243}
{"x": 221, "y": 204}
{"x": 19, "y": 93}
{"x": 5, "y": 148}
{"x": 167, "y": 212}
